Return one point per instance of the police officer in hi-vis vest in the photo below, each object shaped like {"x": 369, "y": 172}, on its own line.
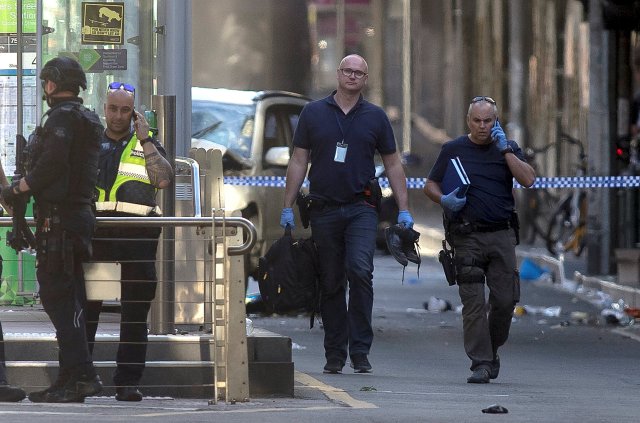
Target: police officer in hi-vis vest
{"x": 132, "y": 168}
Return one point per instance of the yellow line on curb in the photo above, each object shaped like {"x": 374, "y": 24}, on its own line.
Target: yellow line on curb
{"x": 331, "y": 392}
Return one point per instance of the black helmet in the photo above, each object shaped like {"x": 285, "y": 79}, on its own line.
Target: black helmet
{"x": 66, "y": 73}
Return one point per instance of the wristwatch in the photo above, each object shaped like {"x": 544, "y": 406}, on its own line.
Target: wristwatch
{"x": 144, "y": 141}
{"x": 507, "y": 150}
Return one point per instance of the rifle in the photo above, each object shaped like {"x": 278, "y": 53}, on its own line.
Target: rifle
{"x": 20, "y": 237}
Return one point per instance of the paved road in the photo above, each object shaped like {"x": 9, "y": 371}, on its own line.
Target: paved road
{"x": 553, "y": 369}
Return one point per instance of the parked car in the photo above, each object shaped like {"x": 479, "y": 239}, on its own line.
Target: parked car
{"x": 254, "y": 131}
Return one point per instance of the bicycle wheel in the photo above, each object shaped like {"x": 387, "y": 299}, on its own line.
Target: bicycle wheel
{"x": 561, "y": 228}
{"x": 541, "y": 206}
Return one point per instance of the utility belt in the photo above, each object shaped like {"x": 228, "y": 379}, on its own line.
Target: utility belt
{"x": 465, "y": 228}
{"x": 321, "y": 204}
{"x": 306, "y": 203}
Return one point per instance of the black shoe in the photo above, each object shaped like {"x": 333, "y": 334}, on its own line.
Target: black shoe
{"x": 394, "y": 244}
{"x": 58, "y": 385}
{"x": 75, "y": 390}
{"x": 495, "y": 368}
{"x": 402, "y": 243}
{"x": 410, "y": 248}
{"x": 333, "y": 366}
{"x": 55, "y": 395}
{"x": 128, "y": 393}
{"x": 360, "y": 363}
{"x": 480, "y": 375}
{"x": 10, "y": 393}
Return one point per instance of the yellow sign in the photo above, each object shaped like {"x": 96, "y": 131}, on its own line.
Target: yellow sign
{"x": 102, "y": 23}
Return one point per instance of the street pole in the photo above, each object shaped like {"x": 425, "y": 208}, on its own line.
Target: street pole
{"x": 598, "y": 137}
{"x": 406, "y": 76}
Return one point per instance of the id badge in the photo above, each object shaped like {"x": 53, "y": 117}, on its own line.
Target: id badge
{"x": 341, "y": 152}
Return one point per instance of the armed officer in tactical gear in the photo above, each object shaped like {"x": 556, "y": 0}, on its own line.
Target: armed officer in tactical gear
{"x": 132, "y": 168}
{"x": 61, "y": 174}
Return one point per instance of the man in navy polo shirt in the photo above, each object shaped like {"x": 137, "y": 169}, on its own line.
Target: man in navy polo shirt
{"x": 481, "y": 226}
{"x": 339, "y": 135}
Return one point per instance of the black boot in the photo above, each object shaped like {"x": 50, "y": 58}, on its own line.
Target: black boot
{"x": 41, "y": 396}
{"x": 76, "y": 389}
{"x": 10, "y": 393}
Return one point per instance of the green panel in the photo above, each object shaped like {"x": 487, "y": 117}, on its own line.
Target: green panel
{"x": 9, "y": 19}
{"x": 10, "y": 285}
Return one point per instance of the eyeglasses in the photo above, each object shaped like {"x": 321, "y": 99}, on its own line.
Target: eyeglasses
{"x": 483, "y": 98}
{"x": 348, "y": 72}
{"x": 115, "y": 86}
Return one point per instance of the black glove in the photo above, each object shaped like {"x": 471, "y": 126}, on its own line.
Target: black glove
{"x": 8, "y": 194}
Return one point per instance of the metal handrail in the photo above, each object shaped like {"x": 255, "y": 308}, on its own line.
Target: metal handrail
{"x": 233, "y": 221}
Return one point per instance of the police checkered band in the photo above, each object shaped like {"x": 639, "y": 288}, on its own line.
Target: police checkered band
{"x": 419, "y": 183}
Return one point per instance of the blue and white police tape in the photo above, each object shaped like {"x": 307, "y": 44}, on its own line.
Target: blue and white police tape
{"x": 418, "y": 183}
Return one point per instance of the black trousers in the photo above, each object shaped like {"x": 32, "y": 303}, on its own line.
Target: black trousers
{"x": 63, "y": 297}
{"x": 135, "y": 249}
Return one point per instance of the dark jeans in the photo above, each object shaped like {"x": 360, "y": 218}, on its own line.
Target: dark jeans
{"x": 135, "y": 249}
{"x": 346, "y": 240}
{"x": 487, "y": 330}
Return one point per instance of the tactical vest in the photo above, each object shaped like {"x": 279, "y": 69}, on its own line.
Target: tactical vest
{"x": 75, "y": 187}
{"x": 131, "y": 192}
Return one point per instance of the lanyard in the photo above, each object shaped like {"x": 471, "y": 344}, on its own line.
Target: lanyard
{"x": 342, "y": 131}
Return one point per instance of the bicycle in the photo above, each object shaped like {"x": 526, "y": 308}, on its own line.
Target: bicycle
{"x": 540, "y": 201}
{"x": 567, "y": 228}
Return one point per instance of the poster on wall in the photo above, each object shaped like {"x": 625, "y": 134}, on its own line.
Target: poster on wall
{"x": 102, "y": 23}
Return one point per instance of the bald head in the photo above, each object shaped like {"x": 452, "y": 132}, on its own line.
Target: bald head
{"x": 354, "y": 59}
{"x": 118, "y": 112}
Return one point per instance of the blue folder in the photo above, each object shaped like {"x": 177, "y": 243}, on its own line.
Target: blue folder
{"x": 455, "y": 176}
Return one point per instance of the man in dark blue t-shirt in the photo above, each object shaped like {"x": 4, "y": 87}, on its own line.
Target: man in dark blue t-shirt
{"x": 339, "y": 135}
{"x": 481, "y": 227}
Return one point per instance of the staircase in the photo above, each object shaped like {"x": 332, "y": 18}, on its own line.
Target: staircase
{"x": 179, "y": 366}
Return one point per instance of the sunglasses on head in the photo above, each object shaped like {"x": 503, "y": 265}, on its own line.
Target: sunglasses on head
{"x": 115, "y": 86}
{"x": 483, "y": 98}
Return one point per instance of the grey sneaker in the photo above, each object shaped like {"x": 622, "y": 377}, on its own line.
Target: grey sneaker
{"x": 480, "y": 375}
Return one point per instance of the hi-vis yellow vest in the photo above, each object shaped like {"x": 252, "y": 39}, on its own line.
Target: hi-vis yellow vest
{"x": 132, "y": 168}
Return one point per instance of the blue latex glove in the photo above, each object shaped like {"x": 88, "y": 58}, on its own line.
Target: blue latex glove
{"x": 286, "y": 218}
{"x": 498, "y": 136}
{"x": 404, "y": 218}
{"x": 451, "y": 202}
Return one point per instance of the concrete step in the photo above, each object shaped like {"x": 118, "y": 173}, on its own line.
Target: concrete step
{"x": 178, "y": 366}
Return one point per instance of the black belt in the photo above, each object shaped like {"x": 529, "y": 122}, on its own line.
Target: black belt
{"x": 492, "y": 227}
{"x": 466, "y": 227}
{"x": 320, "y": 204}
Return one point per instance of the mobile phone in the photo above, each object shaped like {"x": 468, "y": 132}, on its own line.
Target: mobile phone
{"x": 134, "y": 118}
